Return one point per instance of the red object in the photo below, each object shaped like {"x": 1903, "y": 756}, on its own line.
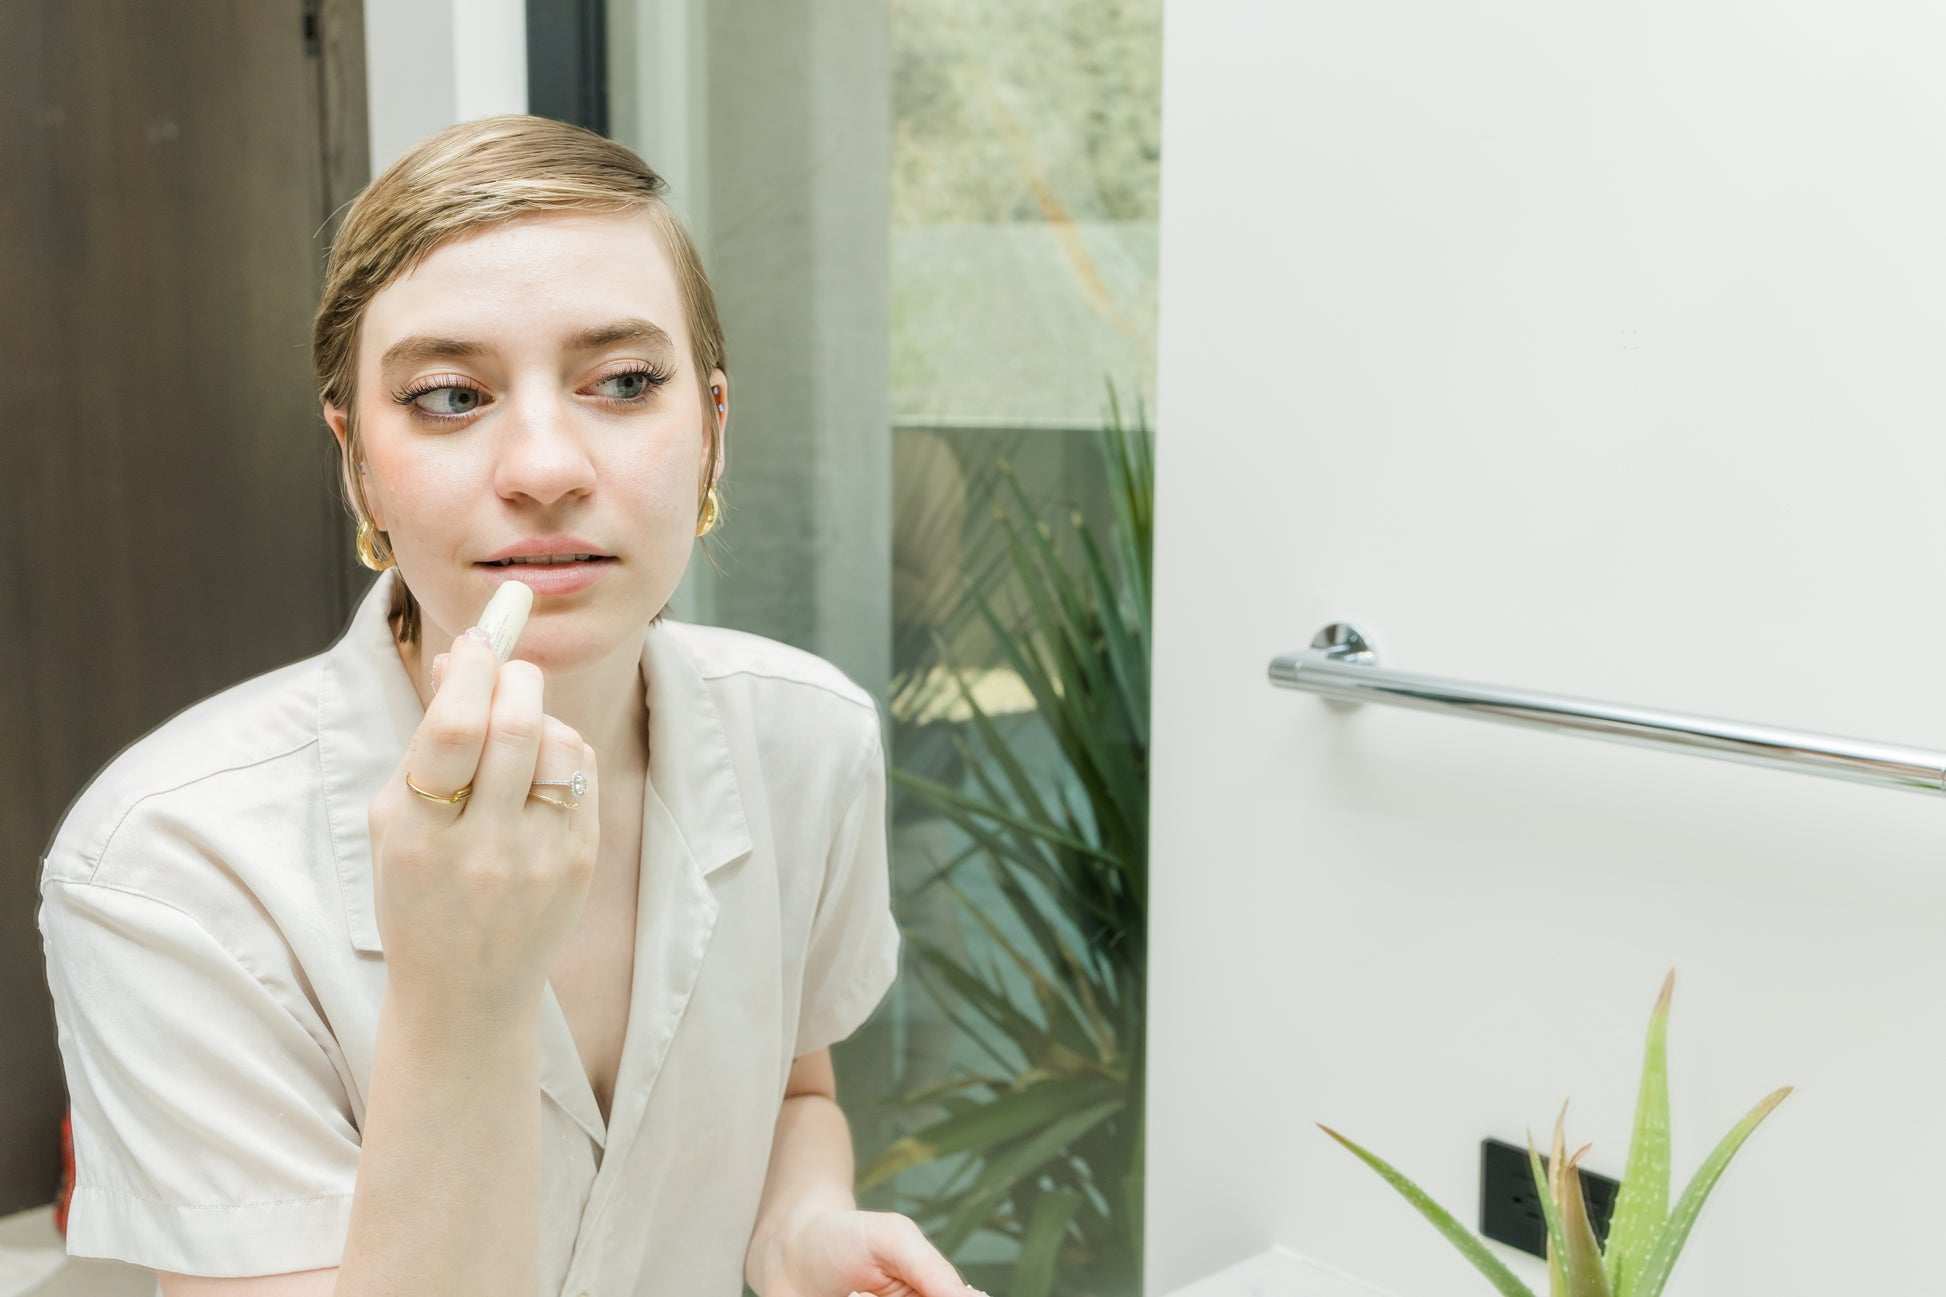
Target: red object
{"x": 67, "y": 1174}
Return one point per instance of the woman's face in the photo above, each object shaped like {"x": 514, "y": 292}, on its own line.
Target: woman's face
{"x": 524, "y": 393}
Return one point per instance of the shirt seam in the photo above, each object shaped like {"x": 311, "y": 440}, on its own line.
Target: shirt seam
{"x": 85, "y": 1187}
{"x": 862, "y": 703}
{"x": 168, "y": 904}
{"x": 111, "y": 1188}
{"x": 108, "y": 841}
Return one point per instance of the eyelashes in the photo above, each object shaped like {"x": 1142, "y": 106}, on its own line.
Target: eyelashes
{"x": 468, "y": 398}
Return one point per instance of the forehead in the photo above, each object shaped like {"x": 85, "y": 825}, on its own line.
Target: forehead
{"x": 531, "y": 283}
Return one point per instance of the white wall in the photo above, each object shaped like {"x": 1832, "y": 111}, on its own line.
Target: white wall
{"x": 431, "y": 63}
{"x": 1593, "y": 348}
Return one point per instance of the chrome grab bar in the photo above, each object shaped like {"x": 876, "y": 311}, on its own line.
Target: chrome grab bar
{"x": 1341, "y": 663}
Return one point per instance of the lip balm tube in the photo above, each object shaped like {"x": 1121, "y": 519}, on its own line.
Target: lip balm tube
{"x": 505, "y": 616}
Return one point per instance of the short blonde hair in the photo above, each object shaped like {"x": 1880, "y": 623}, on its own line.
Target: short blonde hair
{"x": 455, "y": 183}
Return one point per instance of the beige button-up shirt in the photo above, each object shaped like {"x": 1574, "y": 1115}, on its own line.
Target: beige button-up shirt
{"x": 214, "y": 956}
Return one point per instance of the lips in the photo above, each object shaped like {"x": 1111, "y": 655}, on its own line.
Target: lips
{"x": 550, "y": 574}
{"x": 546, "y": 560}
{"x": 557, "y": 550}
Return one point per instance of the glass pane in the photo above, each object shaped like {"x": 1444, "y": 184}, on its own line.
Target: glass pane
{"x": 963, "y": 194}
{"x": 1024, "y": 188}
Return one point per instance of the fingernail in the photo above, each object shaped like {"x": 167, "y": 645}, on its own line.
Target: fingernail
{"x": 479, "y": 636}
{"x": 439, "y": 670}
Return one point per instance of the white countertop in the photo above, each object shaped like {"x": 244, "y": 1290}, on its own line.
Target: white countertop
{"x": 1279, "y": 1272}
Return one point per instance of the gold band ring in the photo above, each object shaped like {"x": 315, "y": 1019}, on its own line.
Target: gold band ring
{"x": 555, "y": 801}
{"x": 454, "y": 800}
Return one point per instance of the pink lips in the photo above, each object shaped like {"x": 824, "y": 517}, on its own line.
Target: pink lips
{"x": 549, "y": 578}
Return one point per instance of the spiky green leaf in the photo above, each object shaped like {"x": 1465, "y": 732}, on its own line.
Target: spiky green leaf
{"x": 1675, "y": 1231}
{"x": 1442, "y": 1220}
{"x": 1040, "y": 1247}
{"x": 1582, "y": 1262}
{"x": 1643, "y": 1204}
{"x": 1009, "y": 1117}
{"x": 1557, "y": 1241}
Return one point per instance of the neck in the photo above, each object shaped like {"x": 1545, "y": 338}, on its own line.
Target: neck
{"x": 605, "y": 701}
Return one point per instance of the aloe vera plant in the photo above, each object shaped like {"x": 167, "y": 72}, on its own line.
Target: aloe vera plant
{"x": 1646, "y": 1235}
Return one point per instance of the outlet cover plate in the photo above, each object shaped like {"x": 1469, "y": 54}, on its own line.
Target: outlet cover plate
{"x": 1510, "y": 1212}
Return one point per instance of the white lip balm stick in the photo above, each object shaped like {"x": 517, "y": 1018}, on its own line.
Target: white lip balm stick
{"x": 505, "y": 616}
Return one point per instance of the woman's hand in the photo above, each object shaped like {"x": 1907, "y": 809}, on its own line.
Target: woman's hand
{"x": 846, "y": 1253}
{"x": 476, "y": 900}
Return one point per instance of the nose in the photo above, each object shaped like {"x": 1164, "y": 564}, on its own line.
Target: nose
{"x": 540, "y": 453}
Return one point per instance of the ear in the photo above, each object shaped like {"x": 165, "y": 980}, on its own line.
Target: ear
{"x": 719, "y": 395}
{"x": 340, "y": 424}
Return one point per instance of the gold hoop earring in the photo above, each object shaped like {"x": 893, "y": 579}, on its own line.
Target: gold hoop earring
{"x": 712, "y": 512}
{"x": 368, "y": 552}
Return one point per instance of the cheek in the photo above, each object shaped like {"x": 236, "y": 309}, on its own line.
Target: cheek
{"x": 418, "y": 500}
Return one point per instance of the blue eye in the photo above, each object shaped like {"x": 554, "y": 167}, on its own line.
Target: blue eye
{"x": 450, "y": 402}
{"x": 630, "y": 385}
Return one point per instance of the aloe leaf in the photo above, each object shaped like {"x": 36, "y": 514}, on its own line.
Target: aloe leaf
{"x": 1643, "y": 1204}
{"x": 1558, "y": 1158}
{"x": 1442, "y": 1220}
{"x": 1675, "y": 1231}
{"x": 1557, "y": 1242}
{"x": 1582, "y": 1263}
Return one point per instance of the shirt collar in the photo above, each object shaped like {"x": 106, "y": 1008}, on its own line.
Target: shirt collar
{"x": 368, "y": 710}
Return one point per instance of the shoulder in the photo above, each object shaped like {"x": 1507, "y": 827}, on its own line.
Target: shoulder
{"x": 264, "y": 720}
{"x": 793, "y": 705}
{"x": 733, "y": 657}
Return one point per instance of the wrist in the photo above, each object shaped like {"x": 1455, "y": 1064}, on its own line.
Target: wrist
{"x": 461, "y": 1025}
{"x": 771, "y": 1240}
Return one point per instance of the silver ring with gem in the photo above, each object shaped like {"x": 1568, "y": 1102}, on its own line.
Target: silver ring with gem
{"x": 576, "y": 784}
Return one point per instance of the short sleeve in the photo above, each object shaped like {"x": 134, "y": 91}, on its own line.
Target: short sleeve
{"x": 212, "y": 1134}
{"x": 854, "y": 948}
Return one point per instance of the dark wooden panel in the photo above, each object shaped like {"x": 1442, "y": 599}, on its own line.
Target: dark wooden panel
{"x": 567, "y": 61}
{"x": 169, "y": 525}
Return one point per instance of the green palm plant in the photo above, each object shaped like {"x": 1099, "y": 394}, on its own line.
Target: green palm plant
{"x": 1646, "y": 1235}
{"x": 1041, "y": 1142}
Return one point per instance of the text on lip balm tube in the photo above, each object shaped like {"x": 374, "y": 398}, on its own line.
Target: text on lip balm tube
{"x": 505, "y": 616}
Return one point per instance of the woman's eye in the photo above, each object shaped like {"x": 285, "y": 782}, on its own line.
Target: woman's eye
{"x": 626, "y": 387}
{"x": 449, "y": 401}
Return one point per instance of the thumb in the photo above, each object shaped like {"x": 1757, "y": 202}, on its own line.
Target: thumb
{"x": 908, "y": 1254}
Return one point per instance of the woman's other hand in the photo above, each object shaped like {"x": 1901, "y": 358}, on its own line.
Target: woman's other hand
{"x": 849, "y": 1253}
{"x": 476, "y": 900}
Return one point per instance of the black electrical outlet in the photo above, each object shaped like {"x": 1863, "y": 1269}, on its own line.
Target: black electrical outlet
{"x": 1510, "y": 1211}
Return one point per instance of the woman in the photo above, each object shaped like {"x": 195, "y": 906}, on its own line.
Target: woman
{"x": 401, "y": 969}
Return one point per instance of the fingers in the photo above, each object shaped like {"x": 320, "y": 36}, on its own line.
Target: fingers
{"x": 447, "y": 745}
{"x": 559, "y": 761}
{"x": 513, "y": 737}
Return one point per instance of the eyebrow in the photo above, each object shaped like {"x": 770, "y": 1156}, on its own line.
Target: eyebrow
{"x": 422, "y": 346}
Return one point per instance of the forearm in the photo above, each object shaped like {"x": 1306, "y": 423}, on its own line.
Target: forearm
{"x": 810, "y": 1173}
{"x": 447, "y": 1200}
